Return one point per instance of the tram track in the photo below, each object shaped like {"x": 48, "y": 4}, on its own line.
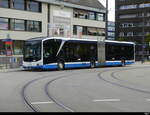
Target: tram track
{"x": 55, "y": 100}
{"x": 65, "y": 74}
{"x": 46, "y": 90}
{"x": 112, "y": 75}
{"x": 24, "y": 93}
{"x": 52, "y": 98}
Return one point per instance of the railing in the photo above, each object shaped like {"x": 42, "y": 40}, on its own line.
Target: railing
{"x": 9, "y": 62}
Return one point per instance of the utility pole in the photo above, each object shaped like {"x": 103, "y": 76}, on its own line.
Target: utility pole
{"x": 101, "y": 41}
{"x": 143, "y": 35}
{"x": 106, "y": 18}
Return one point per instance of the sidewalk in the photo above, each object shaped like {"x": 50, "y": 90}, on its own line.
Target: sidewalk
{"x": 10, "y": 70}
{"x": 19, "y": 69}
{"x": 145, "y": 63}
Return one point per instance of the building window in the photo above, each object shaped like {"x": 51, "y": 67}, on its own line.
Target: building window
{"x": 124, "y": 7}
{"x": 17, "y": 24}
{"x": 100, "y": 32}
{"x": 20, "y": 25}
{"x": 146, "y": 5}
{"x": 91, "y": 15}
{"x": 100, "y": 17}
{"x": 129, "y": 34}
{"x": 83, "y": 14}
{"x": 74, "y": 30}
{"x": 4, "y": 23}
{"x": 128, "y": 16}
{"x": 4, "y": 3}
{"x": 89, "y": 30}
{"x": 84, "y": 30}
{"x": 34, "y": 26}
{"x": 121, "y": 34}
{"x": 33, "y": 6}
{"x": 111, "y": 28}
{"x": 111, "y": 34}
{"x": 92, "y": 31}
{"x": 2, "y": 48}
{"x": 29, "y": 5}
{"x": 18, "y": 4}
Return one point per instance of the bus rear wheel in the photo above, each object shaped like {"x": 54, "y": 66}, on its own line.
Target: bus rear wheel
{"x": 60, "y": 66}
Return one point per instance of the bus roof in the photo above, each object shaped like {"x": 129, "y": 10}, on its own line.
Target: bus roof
{"x": 77, "y": 39}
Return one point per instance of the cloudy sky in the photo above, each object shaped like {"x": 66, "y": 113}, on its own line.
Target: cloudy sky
{"x": 111, "y": 16}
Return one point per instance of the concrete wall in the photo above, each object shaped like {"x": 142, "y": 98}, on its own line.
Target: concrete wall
{"x": 76, "y": 21}
{"x": 89, "y": 23}
{"x": 62, "y": 14}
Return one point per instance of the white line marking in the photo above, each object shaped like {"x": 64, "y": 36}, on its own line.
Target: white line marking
{"x": 37, "y": 103}
{"x": 147, "y": 99}
{"x": 106, "y": 100}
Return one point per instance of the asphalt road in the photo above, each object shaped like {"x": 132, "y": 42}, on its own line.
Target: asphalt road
{"x": 111, "y": 89}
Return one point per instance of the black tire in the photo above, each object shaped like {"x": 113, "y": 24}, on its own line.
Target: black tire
{"x": 92, "y": 64}
{"x": 60, "y": 65}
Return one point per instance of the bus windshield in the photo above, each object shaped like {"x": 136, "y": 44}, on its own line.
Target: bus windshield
{"x": 32, "y": 51}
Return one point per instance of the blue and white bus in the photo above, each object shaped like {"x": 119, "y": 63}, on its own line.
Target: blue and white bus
{"x": 62, "y": 53}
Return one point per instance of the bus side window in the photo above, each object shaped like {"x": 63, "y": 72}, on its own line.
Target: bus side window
{"x": 66, "y": 52}
{"x": 77, "y": 54}
{"x": 92, "y": 50}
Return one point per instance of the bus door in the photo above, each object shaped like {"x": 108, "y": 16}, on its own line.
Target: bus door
{"x": 101, "y": 51}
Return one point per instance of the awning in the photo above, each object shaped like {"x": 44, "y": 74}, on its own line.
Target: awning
{"x": 7, "y": 40}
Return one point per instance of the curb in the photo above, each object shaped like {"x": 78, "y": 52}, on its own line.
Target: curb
{"x": 9, "y": 70}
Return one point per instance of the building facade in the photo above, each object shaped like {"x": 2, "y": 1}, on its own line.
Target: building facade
{"x": 133, "y": 23}
{"x": 111, "y": 30}
{"x": 24, "y": 19}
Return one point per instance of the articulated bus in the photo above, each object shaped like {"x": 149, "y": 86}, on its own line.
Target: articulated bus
{"x": 63, "y": 53}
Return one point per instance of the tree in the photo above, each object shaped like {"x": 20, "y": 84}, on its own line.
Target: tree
{"x": 147, "y": 40}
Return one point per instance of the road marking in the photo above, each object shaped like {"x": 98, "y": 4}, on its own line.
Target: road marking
{"x": 106, "y": 100}
{"x": 147, "y": 99}
{"x": 37, "y": 103}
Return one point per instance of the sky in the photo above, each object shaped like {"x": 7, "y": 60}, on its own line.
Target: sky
{"x": 111, "y": 5}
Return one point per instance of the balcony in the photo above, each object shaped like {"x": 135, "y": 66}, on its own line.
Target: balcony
{"x": 128, "y": 2}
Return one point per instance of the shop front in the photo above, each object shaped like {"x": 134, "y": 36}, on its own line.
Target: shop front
{"x": 11, "y": 53}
